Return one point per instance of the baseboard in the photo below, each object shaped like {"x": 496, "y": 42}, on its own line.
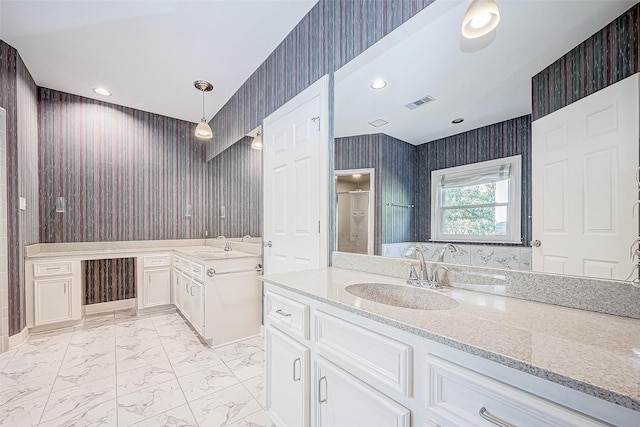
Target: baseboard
{"x": 109, "y": 306}
{"x": 19, "y": 338}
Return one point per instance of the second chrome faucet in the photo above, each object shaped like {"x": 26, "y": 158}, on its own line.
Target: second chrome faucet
{"x": 423, "y": 278}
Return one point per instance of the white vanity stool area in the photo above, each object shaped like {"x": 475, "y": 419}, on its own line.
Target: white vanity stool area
{"x": 216, "y": 291}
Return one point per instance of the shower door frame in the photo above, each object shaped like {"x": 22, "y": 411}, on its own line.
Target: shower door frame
{"x": 372, "y": 205}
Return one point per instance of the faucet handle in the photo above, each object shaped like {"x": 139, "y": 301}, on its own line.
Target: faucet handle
{"x": 413, "y": 275}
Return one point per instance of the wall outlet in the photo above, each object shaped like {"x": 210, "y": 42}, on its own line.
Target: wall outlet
{"x": 23, "y": 204}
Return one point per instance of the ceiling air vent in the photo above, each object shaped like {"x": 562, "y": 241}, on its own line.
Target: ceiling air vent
{"x": 420, "y": 102}
{"x": 378, "y": 123}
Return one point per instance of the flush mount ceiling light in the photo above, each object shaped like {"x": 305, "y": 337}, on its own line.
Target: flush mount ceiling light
{"x": 378, "y": 84}
{"x": 481, "y": 17}
{"x": 101, "y": 91}
{"x": 256, "y": 144}
{"x": 203, "y": 130}
{"x": 457, "y": 121}
{"x": 357, "y": 175}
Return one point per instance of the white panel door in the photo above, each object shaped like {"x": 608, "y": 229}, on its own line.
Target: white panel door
{"x": 53, "y": 300}
{"x": 584, "y": 159}
{"x": 342, "y": 400}
{"x": 157, "y": 287}
{"x": 294, "y": 191}
{"x": 287, "y": 379}
{"x": 196, "y": 295}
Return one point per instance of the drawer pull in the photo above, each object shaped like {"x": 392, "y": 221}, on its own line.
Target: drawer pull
{"x": 282, "y": 313}
{"x": 493, "y": 419}
{"x": 297, "y": 361}
{"x": 53, "y": 268}
{"x": 320, "y": 399}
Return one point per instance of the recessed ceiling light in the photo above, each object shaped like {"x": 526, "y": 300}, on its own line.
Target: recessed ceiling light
{"x": 101, "y": 91}
{"x": 457, "y": 121}
{"x": 481, "y": 17}
{"x": 356, "y": 175}
{"x": 378, "y": 84}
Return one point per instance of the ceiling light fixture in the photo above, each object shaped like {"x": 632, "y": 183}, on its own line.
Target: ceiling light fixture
{"x": 457, "y": 121}
{"x": 256, "y": 144}
{"x": 203, "y": 130}
{"x": 481, "y": 17}
{"x": 101, "y": 91}
{"x": 378, "y": 84}
{"x": 356, "y": 175}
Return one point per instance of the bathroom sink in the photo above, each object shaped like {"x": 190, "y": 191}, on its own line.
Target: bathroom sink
{"x": 402, "y": 296}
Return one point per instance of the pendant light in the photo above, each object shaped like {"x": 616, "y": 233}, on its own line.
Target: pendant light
{"x": 256, "y": 144}
{"x": 203, "y": 130}
{"x": 481, "y": 17}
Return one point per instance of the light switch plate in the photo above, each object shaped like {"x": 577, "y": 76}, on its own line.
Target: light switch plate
{"x": 23, "y": 204}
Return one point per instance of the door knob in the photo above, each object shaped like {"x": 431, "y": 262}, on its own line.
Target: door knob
{"x": 535, "y": 243}
{"x": 267, "y": 244}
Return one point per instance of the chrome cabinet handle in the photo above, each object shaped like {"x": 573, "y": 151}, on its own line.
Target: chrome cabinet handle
{"x": 297, "y": 361}
{"x": 493, "y": 419}
{"x": 267, "y": 244}
{"x": 282, "y": 313}
{"x": 320, "y": 399}
{"x": 53, "y": 268}
{"x": 535, "y": 243}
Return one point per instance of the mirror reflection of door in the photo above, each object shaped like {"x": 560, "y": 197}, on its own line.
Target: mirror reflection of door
{"x": 354, "y": 211}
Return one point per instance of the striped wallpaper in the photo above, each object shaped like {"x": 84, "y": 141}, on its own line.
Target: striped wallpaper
{"x": 234, "y": 180}
{"x": 109, "y": 280}
{"x": 610, "y": 55}
{"x": 393, "y": 161}
{"x": 126, "y": 174}
{"x": 329, "y": 36}
{"x": 504, "y": 139}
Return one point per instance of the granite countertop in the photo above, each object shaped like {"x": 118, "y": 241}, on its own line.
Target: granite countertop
{"x": 92, "y": 250}
{"x": 598, "y": 354}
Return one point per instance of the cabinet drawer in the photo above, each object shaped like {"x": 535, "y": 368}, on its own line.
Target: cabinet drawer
{"x": 458, "y": 395}
{"x": 197, "y": 271}
{"x": 51, "y": 268}
{"x": 185, "y": 266}
{"x": 374, "y": 358}
{"x": 288, "y": 315}
{"x": 156, "y": 260}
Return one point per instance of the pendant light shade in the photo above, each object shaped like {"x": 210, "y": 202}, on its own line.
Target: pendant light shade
{"x": 256, "y": 144}
{"x": 203, "y": 130}
{"x": 481, "y": 17}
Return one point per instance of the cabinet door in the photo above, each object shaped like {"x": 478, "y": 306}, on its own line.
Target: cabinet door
{"x": 287, "y": 379}
{"x": 53, "y": 300}
{"x": 177, "y": 284}
{"x": 196, "y": 294}
{"x": 157, "y": 289}
{"x": 341, "y": 400}
{"x": 183, "y": 295}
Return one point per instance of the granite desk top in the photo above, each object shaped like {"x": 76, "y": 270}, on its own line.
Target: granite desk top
{"x": 598, "y": 354}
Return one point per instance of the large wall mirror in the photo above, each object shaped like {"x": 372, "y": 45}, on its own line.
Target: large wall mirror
{"x": 425, "y": 99}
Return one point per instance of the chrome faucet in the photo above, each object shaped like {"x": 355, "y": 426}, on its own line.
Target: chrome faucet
{"x": 411, "y": 253}
{"x": 435, "y": 280}
{"x": 245, "y": 237}
{"x": 451, "y": 248}
{"x": 227, "y": 245}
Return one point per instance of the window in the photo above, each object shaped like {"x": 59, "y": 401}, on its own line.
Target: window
{"x": 479, "y": 202}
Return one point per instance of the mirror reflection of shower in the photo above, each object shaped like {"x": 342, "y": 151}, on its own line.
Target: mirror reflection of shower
{"x": 354, "y": 211}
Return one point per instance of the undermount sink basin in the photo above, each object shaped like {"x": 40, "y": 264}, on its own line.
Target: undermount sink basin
{"x": 402, "y": 296}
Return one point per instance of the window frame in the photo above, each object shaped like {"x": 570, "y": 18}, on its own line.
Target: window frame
{"x": 514, "y": 206}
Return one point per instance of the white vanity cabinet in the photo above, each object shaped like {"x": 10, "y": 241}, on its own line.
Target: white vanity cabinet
{"x": 341, "y": 400}
{"x": 287, "y": 379}
{"x": 56, "y": 294}
{"x": 156, "y": 280}
{"x": 368, "y": 373}
{"x": 195, "y": 296}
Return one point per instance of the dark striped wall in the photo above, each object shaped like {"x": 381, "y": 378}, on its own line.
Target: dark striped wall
{"x": 504, "y": 139}
{"x": 17, "y": 96}
{"x": 126, "y": 174}
{"x": 332, "y": 33}
{"x": 234, "y": 180}
{"x": 610, "y": 55}
{"x": 109, "y": 280}
{"x": 393, "y": 161}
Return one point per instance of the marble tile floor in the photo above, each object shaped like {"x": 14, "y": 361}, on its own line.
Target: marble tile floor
{"x": 119, "y": 369}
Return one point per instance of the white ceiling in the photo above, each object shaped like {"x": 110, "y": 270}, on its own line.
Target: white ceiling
{"x": 484, "y": 81}
{"x": 148, "y": 53}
